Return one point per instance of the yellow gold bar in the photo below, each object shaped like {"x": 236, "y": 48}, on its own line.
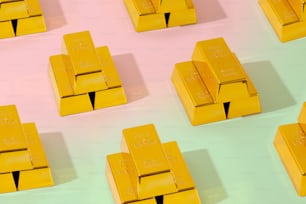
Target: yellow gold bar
{"x": 168, "y": 6}
{"x": 110, "y": 73}
{"x": 33, "y": 7}
{"x": 144, "y": 146}
{"x": 13, "y": 10}
{"x": 182, "y": 177}
{"x": 7, "y": 183}
{"x": 15, "y": 161}
{"x": 11, "y": 137}
{"x": 35, "y": 146}
{"x": 194, "y": 95}
{"x": 298, "y": 7}
{"x": 7, "y": 30}
{"x": 183, "y": 197}
{"x": 144, "y": 6}
{"x": 119, "y": 179}
{"x": 80, "y": 47}
{"x": 143, "y": 16}
{"x": 35, "y": 178}
{"x": 283, "y": 11}
{"x": 290, "y": 143}
{"x": 33, "y": 24}
{"x": 109, "y": 97}
{"x": 62, "y": 79}
{"x": 217, "y": 66}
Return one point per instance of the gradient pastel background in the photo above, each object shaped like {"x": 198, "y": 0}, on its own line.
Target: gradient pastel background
{"x": 232, "y": 162}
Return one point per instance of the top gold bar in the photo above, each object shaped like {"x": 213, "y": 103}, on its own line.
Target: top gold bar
{"x": 144, "y": 146}
{"x": 80, "y": 47}
{"x": 218, "y": 56}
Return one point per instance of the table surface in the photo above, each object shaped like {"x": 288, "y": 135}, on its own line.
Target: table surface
{"x": 232, "y": 161}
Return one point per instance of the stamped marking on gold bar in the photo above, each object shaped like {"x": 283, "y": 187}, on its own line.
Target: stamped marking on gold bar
{"x": 80, "y": 48}
{"x": 143, "y": 144}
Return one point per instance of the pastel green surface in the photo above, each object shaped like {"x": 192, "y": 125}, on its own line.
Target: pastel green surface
{"x": 232, "y": 162}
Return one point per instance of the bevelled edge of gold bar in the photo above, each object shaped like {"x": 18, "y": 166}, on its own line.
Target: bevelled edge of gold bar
{"x": 286, "y": 137}
{"x": 144, "y": 146}
{"x": 12, "y": 137}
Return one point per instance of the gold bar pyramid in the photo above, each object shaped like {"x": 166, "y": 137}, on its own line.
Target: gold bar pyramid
{"x": 148, "y": 171}
{"x": 157, "y": 14}
{"x": 287, "y": 17}
{"x": 84, "y": 78}
{"x": 214, "y": 86}
{"x": 20, "y": 17}
{"x": 23, "y": 163}
{"x": 290, "y": 143}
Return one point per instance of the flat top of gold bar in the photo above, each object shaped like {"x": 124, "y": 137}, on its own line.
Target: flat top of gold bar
{"x": 221, "y": 60}
{"x": 193, "y": 83}
{"x": 145, "y": 149}
{"x": 80, "y": 47}
{"x": 296, "y": 141}
{"x": 11, "y": 132}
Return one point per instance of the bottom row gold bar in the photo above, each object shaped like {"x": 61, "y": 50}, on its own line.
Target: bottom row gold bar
{"x": 29, "y": 179}
{"x": 24, "y": 26}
